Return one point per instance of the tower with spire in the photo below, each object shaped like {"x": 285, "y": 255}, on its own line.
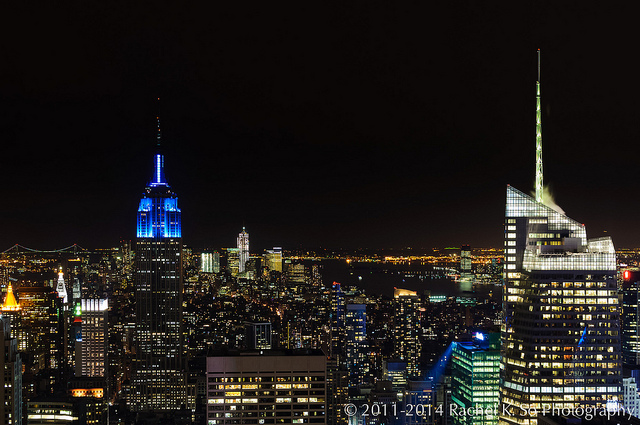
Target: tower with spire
{"x": 158, "y": 380}
{"x": 243, "y": 250}
{"x": 10, "y": 304}
{"x": 560, "y": 339}
{"x": 61, "y": 288}
{"x": 539, "y": 179}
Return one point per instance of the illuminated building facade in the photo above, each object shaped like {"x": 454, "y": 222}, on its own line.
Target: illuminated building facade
{"x": 243, "y": 250}
{"x": 407, "y": 329}
{"x": 10, "y": 303}
{"x": 337, "y": 392}
{"x": 158, "y": 379}
{"x": 356, "y": 344}
{"x": 475, "y": 379}
{"x": 61, "y": 289}
{"x": 396, "y": 373}
{"x": 465, "y": 259}
{"x": 297, "y": 274}
{"x": 273, "y": 259}
{"x": 76, "y": 291}
{"x": 562, "y": 324}
{"x": 65, "y": 410}
{"x": 215, "y": 262}
{"x": 561, "y": 334}
{"x": 11, "y": 367}
{"x": 337, "y": 321}
{"x": 91, "y": 348}
{"x": 233, "y": 261}
{"x": 12, "y": 311}
{"x": 267, "y": 387}
{"x": 89, "y": 399}
{"x": 206, "y": 262}
{"x": 39, "y": 329}
{"x": 631, "y": 318}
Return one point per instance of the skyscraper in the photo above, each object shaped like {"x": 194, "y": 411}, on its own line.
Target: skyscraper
{"x": 11, "y": 367}
{"x": 475, "y": 370}
{"x": 561, "y": 334}
{"x": 91, "y": 348}
{"x": 158, "y": 379}
{"x": 465, "y": 260}
{"x": 10, "y": 307}
{"x": 631, "y": 318}
{"x": 407, "y": 326}
{"x": 233, "y": 261}
{"x": 206, "y": 262}
{"x": 39, "y": 329}
{"x": 356, "y": 345}
{"x": 243, "y": 250}
{"x": 337, "y": 322}
{"x": 61, "y": 289}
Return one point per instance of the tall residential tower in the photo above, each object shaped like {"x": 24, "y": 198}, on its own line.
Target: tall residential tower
{"x": 158, "y": 381}
{"x": 407, "y": 325}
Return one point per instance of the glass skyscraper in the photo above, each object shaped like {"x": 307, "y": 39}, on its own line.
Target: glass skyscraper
{"x": 561, "y": 335}
{"x": 475, "y": 370}
{"x": 158, "y": 379}
{"x": 561, "y": 332}
{"x": 356, "y": 345}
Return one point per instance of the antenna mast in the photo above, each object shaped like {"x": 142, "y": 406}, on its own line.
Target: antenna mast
{"x": 158, "y": 119}
{"x": 539, "y": 177}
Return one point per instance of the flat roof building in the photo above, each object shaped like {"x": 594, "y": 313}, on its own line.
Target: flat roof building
{"x": 266, "y": 387}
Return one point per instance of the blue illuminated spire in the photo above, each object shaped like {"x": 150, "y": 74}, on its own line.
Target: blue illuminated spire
{"x": 158, "y": 171}
{"x": 158, "y": 162}
{"x": 158, "y": 212}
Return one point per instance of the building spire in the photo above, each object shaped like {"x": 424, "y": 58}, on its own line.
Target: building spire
{"x": 10, "y": 303}
{"x": 158, "y": 137}
{"x": 158, "y": 161}
{"x": 60, "y": 288}
{"x": 539, "y": 177}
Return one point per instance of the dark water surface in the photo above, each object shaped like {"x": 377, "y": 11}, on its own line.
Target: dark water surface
{"x": 381, "y": 280}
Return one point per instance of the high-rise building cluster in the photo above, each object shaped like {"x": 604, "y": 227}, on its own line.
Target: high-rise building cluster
{"x": 157, "y": 332}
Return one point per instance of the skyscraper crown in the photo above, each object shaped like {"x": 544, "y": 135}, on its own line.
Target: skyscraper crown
{"x": 158, "y": 212}
{"x": 10, "y": 303}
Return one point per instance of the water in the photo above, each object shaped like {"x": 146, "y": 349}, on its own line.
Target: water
{"x": 380, "y": 279}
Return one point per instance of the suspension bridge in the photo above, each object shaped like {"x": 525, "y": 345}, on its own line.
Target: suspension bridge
{"x": 74, "y": 249}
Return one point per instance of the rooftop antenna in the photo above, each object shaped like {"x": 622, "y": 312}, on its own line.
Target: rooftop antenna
{"x": 158, "y": 161}
{"x": 158, "y": 119}
{"x": 539, "y": 177}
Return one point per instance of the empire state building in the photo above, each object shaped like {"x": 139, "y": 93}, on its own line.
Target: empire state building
{"x": 158, "y": 379}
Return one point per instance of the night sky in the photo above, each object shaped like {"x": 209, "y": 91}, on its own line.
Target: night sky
{"x": 335, "y": 124}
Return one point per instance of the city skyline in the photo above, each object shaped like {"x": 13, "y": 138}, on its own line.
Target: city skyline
{"x": 367, "y": 133}
{"x": 318, "y": 126}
